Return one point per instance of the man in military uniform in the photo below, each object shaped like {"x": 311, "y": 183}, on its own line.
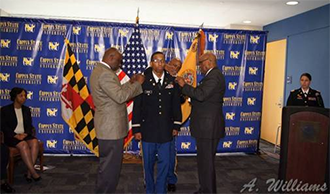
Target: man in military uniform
{"x": 156, "y": 119}
{"x": 173, "y": 67}
{"x": 305, "y": 96}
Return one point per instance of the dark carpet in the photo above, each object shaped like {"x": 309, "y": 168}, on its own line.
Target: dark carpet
{"x": 78, "y": 174}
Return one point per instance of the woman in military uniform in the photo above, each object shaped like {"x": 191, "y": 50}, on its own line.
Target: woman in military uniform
{"x": 305, "y": 96}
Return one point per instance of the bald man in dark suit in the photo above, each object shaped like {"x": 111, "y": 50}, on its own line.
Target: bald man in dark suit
{"x": 206, "y": 121}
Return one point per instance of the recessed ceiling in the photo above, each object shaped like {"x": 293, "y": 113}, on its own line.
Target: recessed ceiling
{"x": 214, "y": 13}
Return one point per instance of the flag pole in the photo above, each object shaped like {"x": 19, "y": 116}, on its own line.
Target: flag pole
{"x": 200, "y": 44}
{"x": 131, "y": 157}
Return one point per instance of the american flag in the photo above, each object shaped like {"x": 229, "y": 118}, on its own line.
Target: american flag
{"x": 134, "y": 56}
{"x": 134, "y": 61}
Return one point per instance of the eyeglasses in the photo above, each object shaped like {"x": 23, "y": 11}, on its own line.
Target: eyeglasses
{"x": 202, "y": 61}
{"x": 158, "y": 61}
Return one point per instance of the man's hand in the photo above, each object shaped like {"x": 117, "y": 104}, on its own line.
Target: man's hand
{"x": 140, "y": 78}
{"x": 175, "y": 132}
{"x": 138, "y": 136}
{"x": 137, "y": 78}
{"x": 180, "y": 81}
{"x": 133, "y": 79}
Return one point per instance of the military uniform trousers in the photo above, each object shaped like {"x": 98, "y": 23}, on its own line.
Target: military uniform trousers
{"x": 149, "y": 158}
{"x": 172, "y": 177}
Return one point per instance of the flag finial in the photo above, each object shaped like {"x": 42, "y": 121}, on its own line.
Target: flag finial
{"x": 137, "y": 16}
{"x": 200, "y": 30}
{"x": 201, "y": 26}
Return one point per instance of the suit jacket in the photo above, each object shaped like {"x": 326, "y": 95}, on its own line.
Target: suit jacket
{"x": 297, "y": 98}
{"x": 157, "y": 111}
{"x": 206, "y": 119}
{"x": 110, "y": 97}
{"x": 9, "y": 120}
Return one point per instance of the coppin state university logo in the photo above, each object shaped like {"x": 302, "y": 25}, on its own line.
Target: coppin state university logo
{"x": 123, "y": 32}
{"x": 213, "y": 37}
{"x": 169, "y": 35}
{"x": 188, "y": 76}
{"x": 254, "y": 39}
{"x": 4, "y": 77}
{"x": 248, "y": 130}
{"x": 52, "y": 79}
{"x": 51, "y": 143}
{"x": 5, "y": 43}
{"x": 53, "y": 46}
{"x": 227, "y": 144}
{"x": 52, "y": 112}
{"x": 76, "y": 30}
{"x": 29, "y": 27}
{"x": 29, "y": 95}
{"x": 185, "y": 145}
{"x": 27, "y": 61}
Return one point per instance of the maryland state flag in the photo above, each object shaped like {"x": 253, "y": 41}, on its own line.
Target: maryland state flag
{"x": 189, "y": 68}
{"x": 76, "y": 102}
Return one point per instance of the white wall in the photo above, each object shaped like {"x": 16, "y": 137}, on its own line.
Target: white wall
{"x": 192, "y": 13}
{"x": 169, "y": 12}
{"x": 3, "y": 13}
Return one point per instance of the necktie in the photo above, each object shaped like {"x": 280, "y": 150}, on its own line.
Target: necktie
{"x": 159, "y": 83}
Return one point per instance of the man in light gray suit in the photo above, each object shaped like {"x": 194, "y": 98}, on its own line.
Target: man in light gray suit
{"x": 110, "y": 120}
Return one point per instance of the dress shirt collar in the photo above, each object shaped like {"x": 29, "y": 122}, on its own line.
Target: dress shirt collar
{"x": 305, "y": 91}
{"x": 156, "y": 77}
{"x": 105, "y": 64}
{"x": 208, "y": 71}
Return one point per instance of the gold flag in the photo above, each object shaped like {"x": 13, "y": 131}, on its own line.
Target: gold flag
{"x": 189, "y": 69}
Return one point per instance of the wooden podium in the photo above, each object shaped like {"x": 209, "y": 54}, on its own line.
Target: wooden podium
{"x": 305, "y": 145}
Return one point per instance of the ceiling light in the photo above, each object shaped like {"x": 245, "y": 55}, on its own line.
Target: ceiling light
{"x": 292, "y": 3}
{"x": 247, "y": 22}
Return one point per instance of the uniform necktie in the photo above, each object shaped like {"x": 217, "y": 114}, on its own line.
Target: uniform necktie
{"x": 159, "y": 83}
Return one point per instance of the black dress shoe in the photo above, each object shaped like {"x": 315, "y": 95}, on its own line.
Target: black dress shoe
{"x": 171, "y": 188}
{"x": 7, "y": 188}
{"x": 28, "y": 179}
{"x": 37, "y": 179}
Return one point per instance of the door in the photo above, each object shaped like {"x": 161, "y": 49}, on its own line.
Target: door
{"x": 273, "y": 90}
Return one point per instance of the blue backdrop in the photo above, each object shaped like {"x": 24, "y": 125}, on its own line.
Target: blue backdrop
{"x": 32, "y": 56}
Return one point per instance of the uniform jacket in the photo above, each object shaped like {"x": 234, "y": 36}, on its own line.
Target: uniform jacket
{"x": 206, "y": 119}
{"x": 297, "y": 98}
{"x": 110, "y": 97}
{"x": 157, "y": 111}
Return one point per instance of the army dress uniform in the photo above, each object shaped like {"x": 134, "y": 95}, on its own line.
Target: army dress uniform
{"x": 172, "y": 177}
{"x": 311, "y": 98}
{"x": 156, "y": 112}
